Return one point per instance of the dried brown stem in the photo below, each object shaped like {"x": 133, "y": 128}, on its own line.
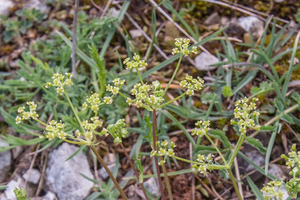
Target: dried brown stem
{"x": 135, "y": 171}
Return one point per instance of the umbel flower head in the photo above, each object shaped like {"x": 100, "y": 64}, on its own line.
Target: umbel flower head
{"x": 202, "y": 128}
{"x": 118, "y": 130}
{"x": 165, "y": 149}
{"x": 54, "y": 130}
{"x": 94, "y": 102}
{"x": 60, "y": 81}
{"x": 182, "y": 47}
{"x": 136, "y": 63}
{"x": 89, "y": 128}
{"x": 118, "y": 83}
{"x": 245, "y": 114}
{"x": 143, "y": 98}
{"x": 273, "y": 189}
{"x": 192, "y": 84}
{"x": 204, "y": 162}
{"x": 25, "y": 115}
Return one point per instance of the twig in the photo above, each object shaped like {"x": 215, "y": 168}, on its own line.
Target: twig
{"x": 106, "y": 8}
{"x": 206, "y": 186}
{"x": 193, "y": 175}
{"x": 31, "y": 165}
{"x": 41, "y": 182}
{"x": 213, "y": 188}
{"x": 237, "y": 173}
{"x": 74, "y": 40}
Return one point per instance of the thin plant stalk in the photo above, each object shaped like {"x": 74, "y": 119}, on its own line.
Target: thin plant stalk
{"x": 108, "y": 171}
{"x": 175, "y": 72}
{"x": 167, "y": 182}
{"x": 135, "y": 171}
{"x": 155, "y": 157}
{"x": 234, "y": 184}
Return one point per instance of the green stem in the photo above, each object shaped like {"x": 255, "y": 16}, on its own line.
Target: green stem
{"x": 175, "y": 72}
{"x": 197, "y": 163}
{"x": 41, "y": 122}
{"x": 161, "y": 106}
{"x": 155, "y": 157}
{"x": 74, "y": 110}
{"x": 234, "y": 184}
{"x": 236, "y": 150}
{"x": 109, "y": 173}
{"x": 212, "y": 142}
{"x": 138, "y": 72}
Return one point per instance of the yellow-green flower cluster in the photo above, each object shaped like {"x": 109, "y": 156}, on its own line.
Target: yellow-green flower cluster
{"x": 142, "y": 97}
{"x": 60, "y": 81}
{"x": 202, "y": 128}
{"x": 94, "y": 102}
{"x": 54, "y": 130}
{"x": 204, "y": 162}
{"x": 89, "y": 128}
{"x": 182, "y": 46}
{"x": 245, "y": 114}
{"x": 135, "y": 63}
{"x": 164, "y": 150}
{"x": 118, "y": 83}
{"x": 293, "y": 162}
{"x": 192, "y": 84}
{"x": 25, "y": 115}
{"x": 118, "y": 130}
{"x": 273, "y": 190}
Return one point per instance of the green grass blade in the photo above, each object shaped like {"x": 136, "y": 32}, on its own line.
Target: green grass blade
{"x": 190, "y": 30}
{"x": 3, "y": 187}
{"x": 76, "y": 152}
{"x": 269, "y": 150}
{"x": 255, "y": 189}
{"x": 289, "y": 73}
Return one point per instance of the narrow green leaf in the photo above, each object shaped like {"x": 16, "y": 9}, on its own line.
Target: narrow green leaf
{"x": 3, "y": 187}
{"x": 78, "y": 150}
{"x": 257, "y": 144}
{"x": 93, "y": 180}
{"x": 269, "y": 150}
{"x": 255, "y": 189}
{"x": 267, "y": 128}
{"x": 221, "y": 136}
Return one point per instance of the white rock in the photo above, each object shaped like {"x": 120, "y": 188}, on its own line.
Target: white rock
{"x": 110, "y": 159}
{"x": 253, "y": 25}
{"x": 49, "y": 196}
{"x": 256, "y": 157}
{"x": 34, "y": 176}
{"x": 279, "y": 1}
{"x": 38, "y": 5}
{"x": 152, "y": 186}
{"x": 9, "y": 192}
{"x": 64, "y": 176}
{"x": 5, "y": 161}
{"x": 276, "y": 171}
{"x": 5, "y": 6}
{"x": 204, "y": 60}
{"x": 135, "y": 33}
{"x": 103, "y": 173}
{"x": 3, "y": 196}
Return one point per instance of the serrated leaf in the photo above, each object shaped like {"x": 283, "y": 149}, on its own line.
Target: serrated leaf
{"x": 257, "y": 144}
{"x": 221, "y": 136}
{"x": 254, "y": 90}
{"x": 227, "y": 92}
